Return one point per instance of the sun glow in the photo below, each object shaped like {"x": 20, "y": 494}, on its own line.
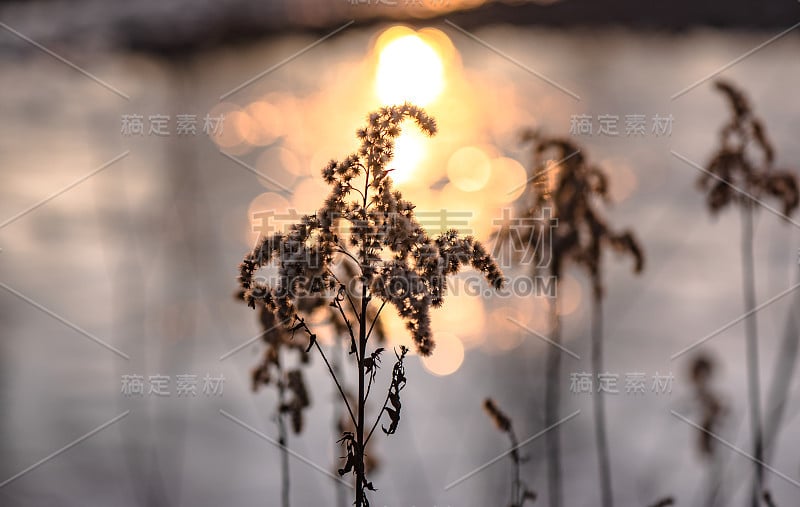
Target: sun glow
{"x": 409, "y": 150}
{"x": 409, "y": 69}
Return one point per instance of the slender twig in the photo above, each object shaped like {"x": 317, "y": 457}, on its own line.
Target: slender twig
{"x": 377, "y": 419}
{"x": 751, "y": 330}
{"x": 283, "y": 437}
{"x": 552, "y": 443}
{"x": 313, "y": 338}
{"x": 330, "y": 272}
{"x": 341, "y": 356}
{"x": 604, "y": 463}
{"x": 338, "y": 305}
{"x": 516, "y": 484}
{"x": 375, "y": 359}
{"x": 371, "y": 380}
{"x": 520, "y": 494}
{"x": 351, "y": 187}
{"x": 336, "y": 380}
{"x": 346, "y": 293}
{"x": 369, "y": 333}
{"x": 352, "y": 305}
{"x": 341, "y": 250}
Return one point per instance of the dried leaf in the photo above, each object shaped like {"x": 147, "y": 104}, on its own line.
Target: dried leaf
{"x": 397, "y": 385}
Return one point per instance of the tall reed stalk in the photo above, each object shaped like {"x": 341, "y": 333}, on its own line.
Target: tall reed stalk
{"x": 520, "y": 492}
{"x": 742, "y": 172}
{"x": 552, "y": 402}
{"x": 751, "y": 351}
{"x": 567, "y": 192}
{"x": 600, "y": 433}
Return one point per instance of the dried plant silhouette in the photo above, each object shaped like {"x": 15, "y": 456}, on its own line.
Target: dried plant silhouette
{"x": 664, "y": 502}
{"x": 270, "y": 371}
{"x": 365, "y": 220}
{"x": 567, "y": 195}
{"x": 768, "y": 501}
{"x": 347, "y": 274}
{"x": 289, "y": 383}
{"x": 712, "y": 412}
{"x": 742, "y": 172}
{"x": 520, "y": 492}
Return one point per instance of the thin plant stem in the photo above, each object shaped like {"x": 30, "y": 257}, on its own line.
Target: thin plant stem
{"x": 601, "y": 435}
{"x": 346, "y": 293}
{"x": 369, "y": 333}
{"x": 351, "y": 187}
{"x": 362, "y": 347}
{"x": 338, "y": 305}
{"x": 516, "y": 484}
{"x": 551, "y": 407}
{"x": 344, "y": 251}
{"x": 377, "y": 419}
{"x": 335, "y": 380}
{"x": 362, "y": 342}
{"x": 338, "y": 359}
{"x": 751, "y": 330}
{"x": 369, "y": 388}
{"x": 328, "y": 364}
{"x": 352, "y": 305}
{"x": 283, "y": 439}
{"x": 520, "y": 494}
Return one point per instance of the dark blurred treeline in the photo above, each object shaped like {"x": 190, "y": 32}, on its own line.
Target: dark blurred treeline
{"x": 176, "y": 26}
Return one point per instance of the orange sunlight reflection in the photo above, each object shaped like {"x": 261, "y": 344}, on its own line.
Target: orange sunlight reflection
{"x": 469, "y": 169}
{"x": 570, "y": 294}
{"x": 463, "y": 174}
{"x": 410, "y": 149}
{"x": 447, "y": 357}
{"x": 459, "y": 307}
{"x": 410, "y": 67}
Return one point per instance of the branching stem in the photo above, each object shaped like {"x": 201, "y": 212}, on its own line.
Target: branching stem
{"x": 313, "y": 338}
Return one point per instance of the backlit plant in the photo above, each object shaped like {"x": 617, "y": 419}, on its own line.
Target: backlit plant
{"x": 366, "y": 220}
{"x": 520, "y": 492}
{"x": 742, "y": 172}
{"x": 567, "y": 194}
{"x": 293, "y": 398}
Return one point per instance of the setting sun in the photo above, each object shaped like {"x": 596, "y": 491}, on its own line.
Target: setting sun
{"x": 409, "y": 69}
{"x": 409, "y": 152}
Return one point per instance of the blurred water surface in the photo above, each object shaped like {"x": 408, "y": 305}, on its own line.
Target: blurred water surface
{"x": 143, "y": 255}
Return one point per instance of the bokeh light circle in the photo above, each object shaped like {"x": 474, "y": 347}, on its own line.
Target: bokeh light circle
{"x": 469, "y": 169}
{"x": 447, "y": 357}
